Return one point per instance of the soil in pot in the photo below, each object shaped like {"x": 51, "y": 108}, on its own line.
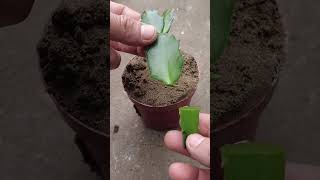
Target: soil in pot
{"x": 252, "y": 61}
{"x": 73, "y": 59}
{"x": 140, "y": 86}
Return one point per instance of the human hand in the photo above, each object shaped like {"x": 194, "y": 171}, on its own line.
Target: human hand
{"x": 127, "y": 34}
{"x": 198, "y": 148}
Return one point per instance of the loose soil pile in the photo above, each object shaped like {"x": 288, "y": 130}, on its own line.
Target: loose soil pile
{"x": 251, "y": 63}
{"x": 73, "y": 58}
{"x": 140, "y": 86}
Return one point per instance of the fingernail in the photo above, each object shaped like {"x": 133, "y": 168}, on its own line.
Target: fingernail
{"x": 147, "y": 32}
{"x": 194, "y": 140}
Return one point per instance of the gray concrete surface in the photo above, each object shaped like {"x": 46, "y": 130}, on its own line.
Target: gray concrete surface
{"x": 296, "y": 171}
{"x": 137, "y": 152}
{"x": 292, "y": 119}
{"x": 35, "y": 143}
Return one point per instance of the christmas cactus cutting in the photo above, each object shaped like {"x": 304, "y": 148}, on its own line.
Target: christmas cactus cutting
{"x": 164, "y": 58}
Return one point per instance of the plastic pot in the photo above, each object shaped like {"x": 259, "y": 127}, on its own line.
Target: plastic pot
{"x": 94, "y": 148}
{"x": 92, "y": 143}
{"x": 241, "y": 127}
{"x": 95, "y": 143}
{"x": 161, "y": 117}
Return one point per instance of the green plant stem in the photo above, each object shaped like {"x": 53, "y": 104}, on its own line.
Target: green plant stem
{"x": 189, "y": 121}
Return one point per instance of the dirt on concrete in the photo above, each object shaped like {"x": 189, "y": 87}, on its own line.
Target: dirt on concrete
{"x": 73, "y": 58}
{"x": 139, "y": 85}
{"x": 252, "y": 61}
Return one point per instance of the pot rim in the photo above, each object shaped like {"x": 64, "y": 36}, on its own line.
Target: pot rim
{"x": 61, "y": 108}
{"x": 242, "y": 116}
{"x": 189, "y": 95}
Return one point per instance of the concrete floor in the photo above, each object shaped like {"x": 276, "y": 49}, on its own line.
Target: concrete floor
{"x": 292, "y": 117}
{"x": 36, "y": 144}
{"x": 137, "y": 152}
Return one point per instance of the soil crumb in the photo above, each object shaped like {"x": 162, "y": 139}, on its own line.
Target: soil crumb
{"x": 252, "y": 61}
{"x": 73, "y": 58}
{"x": 115, "y": 129}
{"x": 140, "y": 86}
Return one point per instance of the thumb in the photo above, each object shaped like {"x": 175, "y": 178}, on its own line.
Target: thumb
{"x": 130, "y": 31}
{"x": 199, "y": 148}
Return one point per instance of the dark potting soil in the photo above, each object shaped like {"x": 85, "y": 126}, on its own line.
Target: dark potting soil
{"x": 140, "y": 86}
{"x": 251, "y": 62}
{"x": 73, "y": 58}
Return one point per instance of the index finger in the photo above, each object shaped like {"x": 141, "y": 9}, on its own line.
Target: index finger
{"x": 121, "y": 9}
{"x": 173, "y": 138}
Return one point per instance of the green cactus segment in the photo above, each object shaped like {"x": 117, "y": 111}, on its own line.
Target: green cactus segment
{"x": 253, "y": 162}
{"x": 152, "y": 17}
{"x": 189, "y": 121}
{"x": 222, "y": 15}
{"x": 168, "y": 17}
{"x": 164, "y": 58}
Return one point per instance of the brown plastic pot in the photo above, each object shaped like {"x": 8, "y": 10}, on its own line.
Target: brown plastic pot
{"x": 241, "y": 127}
{"x": 161, "y": 117}
{"x": 93, "y": 143}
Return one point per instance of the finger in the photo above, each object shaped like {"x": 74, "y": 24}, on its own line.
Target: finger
{"x": 131, "y": 32}
{"x": 182, "y": 171}
{"x": 204, "y": 124}
{"x": 128, "y": 49}
{"x": 115, "y": 59}
{"x": 173, "y": 141}
{"x": 199, "y": 148}
{"x": 120, "y": 9}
